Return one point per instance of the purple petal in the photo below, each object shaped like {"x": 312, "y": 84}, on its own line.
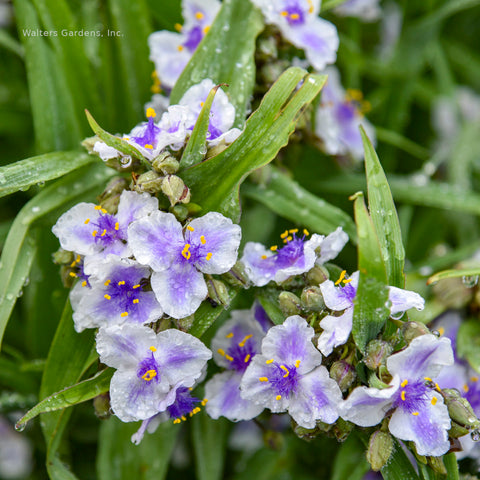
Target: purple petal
{"x": 134, "y": 206}
{"x": 336, "y": 331}
{"x": 331, "y": 246}
{"x": 259, "y": 263}
{"x": 403, "y": 300}
{"x": 341, "y": 297}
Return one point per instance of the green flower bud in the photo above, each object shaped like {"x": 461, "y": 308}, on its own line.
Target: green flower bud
{"x": 175, "y": 190}
{"x": 236, "y": 276}
{"x": 317, "y": 275}
{"x": 185, "y": 324}
{"x": 150, "y": 182}
{"x": 180, "y": 212}
{"x": 344, "y": 374}
{"x": 216, "y": 150}
{"x": 412, "y": 330}
{"x": 377, "y": 353}
{"x": 110, "y": 198}
{"x": 63, "y": 257}
{"x": 436, "y": 464}
{"x": 101, "y": 405}
{"x": 165, "y": 164}
{"x": 459, "y": 409}
{"x": 307, "y": 433}
{"x": 218, "y": 292}
{"x": 312, "y": 299}
{"x": 89, "y": 143}
{"x": 380, "y": 447}
{"x": 342, "y": 429}
{"x": 266, "y": 49}
{"x": 290, "y": 304}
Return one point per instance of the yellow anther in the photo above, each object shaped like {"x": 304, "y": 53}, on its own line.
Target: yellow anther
{"x": 264, "y": 257}
{"x": 354, "y": 94}
{"x": 78, "y": 259}
{"x": 474, "y": 379}
{"x": 404, "y": 383}
{"x": 465, "y": 388}
{"x": 185, "y": 252}
{"x": 149, "y": 375}
{"x": 107, "y": 283}
{"x": 202, "y": 104}
{"x": 274, "y": 248}
{"x": 108, "y": 297}
{"x": 263, "y": 379}
{"x": 104, "y": 232}
{"x": 202, "y": 240}
{"x": 230, "y": 335}
{"x": 190, "y": 229}
{"x": 434, "y": 400}
{"x": 293, "y": 230}
{"x": 73, "y": 263}
{"x": 288, "y": 239}
{"x": 342, "y": 276}
{"x": 196, "y": 410}
{"x": 121, "y": 282}
{"x": 84, "y": 283}
{"x": 199, "y": 15}
{"x": 284, "y": 234}
{"x": 73, "y": 274}
{"x": 403, "y": 395}
{"x": 183, "y": 417}
{"x": 306, "y": 232}
{"x": 209, "y": 256}
{"x": 136, "y": 301}
{"x": 117, "y": 225}
{"x": 151, "y": 113}
{"x": 438, "y": 387}
{"x": 347, "y": 281}
{"x": 294, "y": 16}
{"x": 284, "y": 13}
{"x": 247, "y": 358}
{"x": 297, "y": 363}
{"x": 204, "y": 402}
{"x": 428, "y": 379}
{"x": 155, "y": 88}
{"x": 103, "y": 210}
{"x": 87, "y": 221}
{"x": 415, "y": 414}
{"x": 310, "y": 9}
{"x": 441, "y": 330}
{"x": 150, "y": 147}
{"x": 180, "y": 48}
{"x": 268, "y": 362}
{"x": 94, "y": 233}
{"x": 221, "y": 351}
{"x": 242, "y": 343}
{"x": 178, "y": 28}
{"x": 136, "y": 286}
{"x": 153, "y": 349}
{"x": 124, "y": 314}
{"x": 126, "y": 138}
{"x": 177, "y": 421}
{"x": 206, "y": 29}
{"x": 98, "y": 207}
{"x": 284, "y": 368}
{"x": 278, "y": 397}
{"x": 228, "y": 357}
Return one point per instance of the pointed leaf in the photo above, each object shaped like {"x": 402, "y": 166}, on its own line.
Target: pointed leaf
{"x": 468, "y": 274}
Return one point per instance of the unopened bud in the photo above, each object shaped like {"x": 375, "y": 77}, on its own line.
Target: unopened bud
{"x": 166, "y": 164}
{"x": 342, "y": 429}
{"x": 185, "y": 324}
{"x": 237, "y": 276}
{"x": 377, "y": 353}
{"x": 437, "y": 465}
{"x": 307, "y": 433}
{"x": 343, "y": 373}
{"x": 175, "y": 190}
{"x": 180, "y": 212}
{"x": 89, "y": 143}
{"x": 290, "y": 304}
{"x": 150, "y": 182}
{"x": 317, "y": 275}
{"x": 218, "y": 292}
{"x": 451, "y": 293}
{"x": 312, "y": 299}
{"x": 63, "y": 257}
{"x": 380, "y": 447}
{"x": 459, "y": 409}
{"x": 412, "y": 330}
{"x": 267, "y": 49}
{"x": 101, "y": 405}
{"x": 216, "y": 150}
{"x": 110, "y": 198}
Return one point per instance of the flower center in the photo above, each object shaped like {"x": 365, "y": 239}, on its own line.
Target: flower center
{"x": 123, "y": 294}
{"x": 149, "y": 137}
{"x": 294, "y": 15}
{"x": 347, "y": 291}
{"x": 412, "y": 396}
{"x": 282, "y": 378}
{"x": 148, "y": 369}
{"x": 239, "y": 354}
{"x": 105, "y": 228}
{"x": 184, "y": 404}
{"x": 194, "y": 249}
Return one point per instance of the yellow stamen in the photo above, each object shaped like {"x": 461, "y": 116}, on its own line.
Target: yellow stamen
{"x": 284, "y": 234}
{"x": 288, "y": 239}
{"x": 347, "y": 281}
{"x": 153, "y": 349}
{"x": 178, "y": 28}
{"x": 73, "y": 274}
{"x": 242, "y": 343}
{"x": 190, "y": 229}
{"x": 202, "y": 240}
{"x": 185, "y": 253}
{"x": 94, "y": 233}
{"x": 121, "y": 282}
{"x": 177, "y": 421}
{"x": 230, "y": 335}
{"x": 184, "y": 418}
{"x": 342, "y": 276}
{"x": 108, "y": 297}
{"x": 268, "y": 362}
{"x": 278, "y": 397}
{"x": 310, "y": 9}
{"x": 441, "y": 330}
{"x": 294, "y": 16}
{"x": 404, "y": 383}
{"x": 204, "y": 402}
{"x": 263, "y": 379}
{"x": 428, "y": 379}
{"x": 221, "y": 351}
{"x": 206, "y": 29}
{"x": 247, "y": 358}
{"x": 136, "y": 286}
{"x": 73, "y": 263}
{"x": 297, "y": 363}
{"x": 124, "y": 314}
{"x": 155, "y": 88}
{"x": 104, "y": 232}
{"x": 434, "y": 400}
{"x": 229, "y": 358}
{"x": 403, "y": 395}
{"x": 98, "y": 207}
{"x": 180, "y": 48}
{"x": 209, "y": 256}
{"x": 103, "y": 210}
{"x": 136, "y": 300}
{"x": 283, "y": 367}
{"x": 78, "y": 259}
{"x": 117, "y": 225}
{"x": 465, "y": 388}
{"x": 149, "y": 375}
{"x": 284, "y": 13}
{"x": 199, "y": 15}
{"x": 438, "y": 387}
{"x": 151, "y": 112}
{"x": 84, "y": 283}
{"x": 196, "y": 410}
{"x": 264, "y": 257}
{"x": 150, "y": 147}
{"x": 273, "y": 248}
{"x": 474, "y": 379}
{"x": 202, "y": 104}
{"x": 415, "y": 414}
{"x": 354, "y": 94}
{"x": 107, "y": 283}
{"x": 87, "y": 221}
{"x": 306, "y": 232}
{"x": 293, "y": 230}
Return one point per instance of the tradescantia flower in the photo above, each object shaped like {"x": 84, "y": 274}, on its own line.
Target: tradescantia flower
{"x": 299, "y": 23}
{"x": 338, "y": 297}
{"x": 90, "y": 230}
{"x": 179, "y": 258}
{"x": 339, "y": 116}
{"x": 296, "y": 257}
{"x": 420, "y": 414}
{"x": 234, "y": 346}
{"x": 150, "y": 367}
{"x": 288, "y": 376}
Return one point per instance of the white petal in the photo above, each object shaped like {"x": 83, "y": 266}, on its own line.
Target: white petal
{"x": 336, "y": 331}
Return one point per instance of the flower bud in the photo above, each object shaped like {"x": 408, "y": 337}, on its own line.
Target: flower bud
{"x": 175, "y": 190}
{"x": 290, "y": 304}
{"x": 165, "y": 164}
{"x": 437, "y": 465}
{"x": 307, "y": 433}
{"x": 266, "y": 49}
{"x": 344, "y": 374}
{"x": 150, "y": 182}
{"x": 63, "y": 257}
{"x": 451, "y": 293}
{"x": 380, "y": 447}
{"x": 237, "y": 276}
{"x": 216, "y": 150}
{"x": 185, "y": 324}
{"x": 180, "y": 212}
{"x": 377, "y": 353}
{"x": 218, "y": 292}
{"x": 412, "y": 330}
{"x": 317, "y": 275}
{"x": 89, "y": 143}
{"x": 460, "y": 410}
{"x": 110, "y": 198}
{"x": 342, "y": 429}
{"x": 101, "y": 405}
{"x": 312, "y": 299}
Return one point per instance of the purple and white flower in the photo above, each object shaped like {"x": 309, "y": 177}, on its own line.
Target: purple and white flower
{"x": 16, "y": 460}
{"x": 338, "y": 298}
{"x": 297, "y": 256}
{"x": 179, "y": 258}
{"x": 366, "y": 10}
{"x": 90, "y": 230}
{"x": 150, "y": 367}
{"x": 420, "y": 414}
{"x": 234, "y": 346}
{"x": 299, "y": 23}
{"x": 339, "y": 116}
{"x": 288, "y": 376}
{"x": 119, "y": 294}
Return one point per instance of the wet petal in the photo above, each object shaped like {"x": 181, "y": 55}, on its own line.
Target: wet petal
{"x": 341, "y": 297}
{"x": 259, "y": 263}
{"x": 336, "y": 331}
{"x": 332, "y": 245}
{"x": 134, "y": 206}
{"x": 403, "y": 300}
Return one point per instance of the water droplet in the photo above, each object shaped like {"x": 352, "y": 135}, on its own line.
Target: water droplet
{"x": 10, "y": 297}
{"x": 203, "y": 150}
{"x": 26, "y": 282}
{"x": 470, "y": 280}
{"x": 436, "y": 333}
{"x": 20, "y": 293}
{"x": 426, "y": 270}
{"x": 125, "y": 162}
{"x": 20, "y": 427}
{"x": 2, "y": 178}
{"x": 35, "y": 209}
{"x": 397, "y": 316}
{"x": 475, "y": 435}
{"x": 41, "y": 184}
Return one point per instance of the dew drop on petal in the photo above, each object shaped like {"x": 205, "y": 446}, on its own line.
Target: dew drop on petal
{"x": 397, "y": 316}
{"x": 475, "y": 435}
{"x": 470, "y": 280}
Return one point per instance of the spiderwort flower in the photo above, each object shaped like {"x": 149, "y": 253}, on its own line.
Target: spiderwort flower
{"x": 339, "y": 116}
{"x": 299, "y": 23}
{"x": 90, "y": 230}
{"x": 288, "y": 376}
{"x": 338, "y": 297}
{"x": 118, "y": 294}
{"x": 179, "y": 259}
{"x": 149, "y": 366}
{"x": 234, "y": 346}
{"x": 295, "y": 257}
{"x": 420, "y": 414}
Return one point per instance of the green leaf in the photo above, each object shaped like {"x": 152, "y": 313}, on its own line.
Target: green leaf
{"x": 370, "y": 312}
{"x": 268, "y": 299}
{"x": 451, "y": 464}
{"x": 31, "y": 171}
{"x": 194, "y": 151}
{"x": 468, "y": 343}
{"x": 209, "y": 444}
{"x": 78, "y": 393}
{"x": 470, "y": 275}
{"x": 399, "y": 466}
{"x": 350, "y": 461}
{"x": 19, "y": 247}
{"x": 226, "y": 55}
{"x": 215, "y": 182}
{"x": 288, "y": 199}
{"x": 384, "y": 216}
{"x": 119, "y": 459}
{"x": 9, "y": 43}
